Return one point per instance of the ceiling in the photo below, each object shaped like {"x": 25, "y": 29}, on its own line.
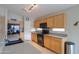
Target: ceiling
{"x": 40, "y": 10}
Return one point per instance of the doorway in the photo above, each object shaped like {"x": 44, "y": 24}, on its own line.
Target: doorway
{"x": 13, "y": 31}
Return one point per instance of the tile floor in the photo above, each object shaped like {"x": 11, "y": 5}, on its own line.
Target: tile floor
{"x": 40, "y": 48}
{"x": 24, "y": 47}
{"x": 28, "y": 47}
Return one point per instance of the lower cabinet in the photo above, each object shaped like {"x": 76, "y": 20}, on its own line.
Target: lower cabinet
{"x": 55, "y": 44}
{"x": 34, "y": 37}
{"x": 47, "y": 40}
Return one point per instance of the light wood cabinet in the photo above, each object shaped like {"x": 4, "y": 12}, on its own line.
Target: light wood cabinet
{"x": 37, "y": 23}
{"x": 53, "y": 43}
{"x": 43, "y": 20}
{"x": 34, "y": 37}
{"x": 47, "y": 40}
{"x": 56, "y": 21}
{"x": 59, "y": 21}
{"x": 56, "y": 44}
{"x": 50, "y": 22}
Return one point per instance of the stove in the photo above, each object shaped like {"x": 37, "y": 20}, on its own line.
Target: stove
{"x": 40, "y": 37}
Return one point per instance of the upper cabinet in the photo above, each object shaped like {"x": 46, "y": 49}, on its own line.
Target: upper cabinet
{"x": 38, "y": 21}
{"x": 59, "y": 21}
{"x": 43, "y": 20}
{"x": 50, "y": 22}
{"x": 56, "y": 21}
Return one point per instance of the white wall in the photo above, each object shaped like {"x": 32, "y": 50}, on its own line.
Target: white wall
{"x": 73, "y": 31}
{"x": 2, "y": 11}
{"x": 12, "y": 15}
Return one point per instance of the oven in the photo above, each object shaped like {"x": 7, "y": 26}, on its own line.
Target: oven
{"x": 40, "y": 38}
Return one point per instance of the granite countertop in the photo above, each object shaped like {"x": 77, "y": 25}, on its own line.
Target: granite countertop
{"x": 38, "y": 32}
{"x": 59, "y": 35}
{"x": 55, "y": 34}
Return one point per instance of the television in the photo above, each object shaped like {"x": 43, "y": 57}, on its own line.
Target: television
{"x": 13, "y": 29}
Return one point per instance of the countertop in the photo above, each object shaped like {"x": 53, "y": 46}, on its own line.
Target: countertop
{"x": 38, "y": 32}
{"x": 54, "y": 34}
{"x": 57, "y": 35}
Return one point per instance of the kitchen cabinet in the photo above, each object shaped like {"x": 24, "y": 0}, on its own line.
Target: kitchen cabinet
{"x": 34, "y": 37}
{"x": 54, "y": 43}
{"x": 37, "y": 23}
{"x": 50, "y": 22}
{"x": 56, "y": 21}
{"x": 47, "y": 40}
{"x": 59, "y": 21}
{"x": 43, "y": 20}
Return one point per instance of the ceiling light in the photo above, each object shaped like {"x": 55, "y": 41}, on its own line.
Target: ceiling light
{"x": 31, "y": 7}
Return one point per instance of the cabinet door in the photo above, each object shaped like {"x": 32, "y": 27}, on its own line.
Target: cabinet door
{"x": 50, "y": 22}
{"x": 47, "y": 41}
{"x": 34, "y": 37}
{"x": 56, "y": 45}
{"x": 38, "y": 21}
{"x": 37, "y": 24}
{"x": 43, "y": 20}
{"x": 59, "y": 21}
